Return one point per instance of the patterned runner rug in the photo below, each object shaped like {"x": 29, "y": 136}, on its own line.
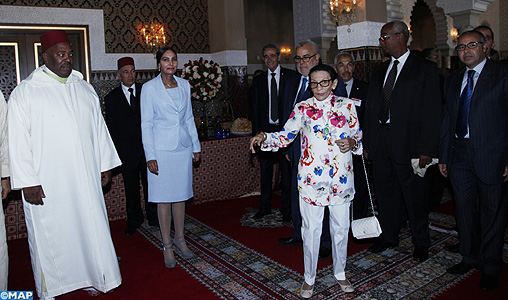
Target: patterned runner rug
{"x": 234, "y": 271}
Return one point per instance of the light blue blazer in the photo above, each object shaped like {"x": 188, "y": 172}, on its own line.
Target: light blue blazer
{"x": 165, "y": 121}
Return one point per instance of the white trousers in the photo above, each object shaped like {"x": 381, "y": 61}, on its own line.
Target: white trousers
{"x": 4, "y": 258}
{"x": 312, "y": 222}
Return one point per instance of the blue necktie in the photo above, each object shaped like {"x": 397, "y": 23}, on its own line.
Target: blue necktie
{"x": 301, "y": 93}
{"x": 464, "y": 104}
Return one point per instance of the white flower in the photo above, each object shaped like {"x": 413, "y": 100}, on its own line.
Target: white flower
{"x": 207, "y": 65}
{"x": 205, "y": 74}
{"x": 212, "y": 76}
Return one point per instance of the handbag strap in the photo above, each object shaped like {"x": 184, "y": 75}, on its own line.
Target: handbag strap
{"x": 368, "y": 188}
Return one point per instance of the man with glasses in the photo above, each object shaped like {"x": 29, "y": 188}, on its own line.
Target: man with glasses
{"x": 267, "y": 100}
{"x": 401, "y": 123}
{"x": 474, "y": 154}
{"x": 307, "y": 56}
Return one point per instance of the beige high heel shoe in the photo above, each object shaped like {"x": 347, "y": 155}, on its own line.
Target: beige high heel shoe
{"x": 346, "y": 288}
{"x": 179, "y": 242}
{"x": 306, "y": 293}
{"x": 169, "y": 263}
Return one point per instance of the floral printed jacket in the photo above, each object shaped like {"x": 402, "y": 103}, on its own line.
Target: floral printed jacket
{"x": 325, "y": 175}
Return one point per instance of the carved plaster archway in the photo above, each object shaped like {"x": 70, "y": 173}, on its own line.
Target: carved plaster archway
{"x": 402, "y": 10}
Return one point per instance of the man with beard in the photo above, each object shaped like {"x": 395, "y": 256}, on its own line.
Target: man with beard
{"x": 401, "y": 123}
{"x": 59, "y": 147}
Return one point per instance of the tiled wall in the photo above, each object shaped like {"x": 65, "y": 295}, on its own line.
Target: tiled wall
{"x": 186, "y": 21}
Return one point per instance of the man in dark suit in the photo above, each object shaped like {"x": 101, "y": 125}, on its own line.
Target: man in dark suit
{"x": 267, "y": 109}
{"x": 474, "y": 153}
{"x": 124, "y": 123}
{"x": 401, "y": 122}
{"x": 297, "y": 90}
{"x": 357, "y": 91}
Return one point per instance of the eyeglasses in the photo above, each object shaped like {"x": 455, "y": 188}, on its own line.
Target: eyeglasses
{"x": 297, "y": 59}
{"x": 470, "y": 45}
{"x": 323, "y": 83}
{"x": 386, "y": 36}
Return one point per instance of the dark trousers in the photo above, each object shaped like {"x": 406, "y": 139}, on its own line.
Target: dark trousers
{"x": 481, "y": 212}
{"x": 434, "y": 187}
{"x": 266, "y": 162}
{"x": 326, "y": 241}
{"x": 399, "y": 193}
{"x": 131, "y": 176}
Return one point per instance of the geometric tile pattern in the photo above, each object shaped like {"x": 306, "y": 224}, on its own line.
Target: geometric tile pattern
{"x": 7, "y": 70}
{"x": 185, "y": 21}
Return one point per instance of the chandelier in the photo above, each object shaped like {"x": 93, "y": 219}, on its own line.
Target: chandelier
{"x": 343, "y": 10}
{"x": 154, "y": 36}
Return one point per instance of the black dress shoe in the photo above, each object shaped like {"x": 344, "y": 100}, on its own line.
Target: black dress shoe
{"x": 454, "y": 248}
{"x": 381, "y": 246}
{"x": 289, "y": 241}
{"x": 287, "y": 219}
{"x": 489, "y": 282}
{"x": 324, "y": 253}
{"x": 421, "y": 253}
{"x": 130, "y": 230}
{"x": 154, "y": 223}
{"x": 261, "y": 214}
{"x": 460, "y": 268}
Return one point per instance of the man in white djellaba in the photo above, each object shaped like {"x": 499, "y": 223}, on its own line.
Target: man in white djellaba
{"x": 60, "y": 151}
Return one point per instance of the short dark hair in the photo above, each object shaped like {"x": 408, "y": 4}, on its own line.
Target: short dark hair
{"x": 427, "y": 52}
{"x": 326, "y": 68}
{"x": 482, "y": 37}
{"x": 401, "y": 27}
{"x": 271, "y": 46}
{"x": 485, "y": 27}
{"x": 161, "y": 52}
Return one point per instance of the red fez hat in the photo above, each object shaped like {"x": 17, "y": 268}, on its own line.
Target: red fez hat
{"x": 52, "y": 38}
{"x": 125, "y": 61}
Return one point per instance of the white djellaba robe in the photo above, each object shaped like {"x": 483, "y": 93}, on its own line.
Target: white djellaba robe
{"x": 58, "y": 139}
{"x": 4, "y": 172}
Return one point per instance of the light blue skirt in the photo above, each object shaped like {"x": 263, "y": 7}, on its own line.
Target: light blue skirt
{"x": 174, "y": 182}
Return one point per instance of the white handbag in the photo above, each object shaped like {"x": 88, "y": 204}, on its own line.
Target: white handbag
{"x": 366, "y": 227}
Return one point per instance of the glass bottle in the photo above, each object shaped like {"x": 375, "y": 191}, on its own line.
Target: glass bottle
{"x": 218, "y": 129}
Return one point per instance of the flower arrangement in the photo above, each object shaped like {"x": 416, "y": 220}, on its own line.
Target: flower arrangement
{"x": 205, "y": 78}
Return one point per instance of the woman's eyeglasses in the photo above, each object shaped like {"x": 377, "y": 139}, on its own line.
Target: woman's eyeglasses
{"x": 323, "y": 83}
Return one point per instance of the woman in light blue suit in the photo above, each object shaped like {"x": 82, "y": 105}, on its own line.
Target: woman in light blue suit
{"x": 170, "y": 141}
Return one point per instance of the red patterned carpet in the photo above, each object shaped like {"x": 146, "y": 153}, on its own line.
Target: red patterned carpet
{"x": 144, "y": 276}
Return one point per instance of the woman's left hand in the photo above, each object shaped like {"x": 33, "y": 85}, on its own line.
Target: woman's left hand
{"x": 346, "y": 144}
{"x": 197, "y": 156}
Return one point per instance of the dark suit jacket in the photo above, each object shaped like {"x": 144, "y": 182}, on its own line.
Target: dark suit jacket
{"x": 124, "y": 124}
{"x": 259, "y": 98}
{"x": 415, "y": 111}
{"x": 358, "y": 91}
{"x": 488, "y": 121}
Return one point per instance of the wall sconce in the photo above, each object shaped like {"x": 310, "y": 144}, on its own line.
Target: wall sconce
{"x": 343, "y": 9}
{"x": 454, "y": 34}
{"x": 154, "y": 36}
{"x": 286, "y": 52}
